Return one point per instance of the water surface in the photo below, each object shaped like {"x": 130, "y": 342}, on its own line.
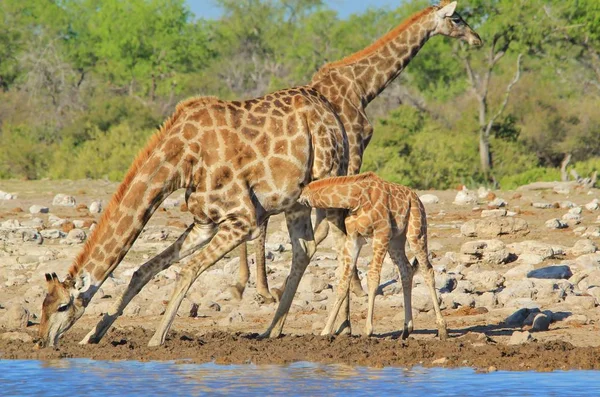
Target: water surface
{"x": 119, "y": 378}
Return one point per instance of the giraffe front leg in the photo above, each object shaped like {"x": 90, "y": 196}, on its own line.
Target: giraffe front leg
{"x": 230, "y": 234}
{"x": 262, "y": 284}
{"x": 398, "y": 255}
{"x": 351, "y": 251}
{"x": 237, "y": 290}
{"x": 380, "y": 247}
{"x": 303, "y": 248}
{"x": 186, "y": 244}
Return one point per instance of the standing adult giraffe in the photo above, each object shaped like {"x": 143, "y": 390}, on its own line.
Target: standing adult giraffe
{"x": 240, "y": 163}
{"x": 351, "y": 83}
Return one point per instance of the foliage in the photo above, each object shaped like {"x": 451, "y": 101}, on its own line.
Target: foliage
{"x": 84, "y": 83}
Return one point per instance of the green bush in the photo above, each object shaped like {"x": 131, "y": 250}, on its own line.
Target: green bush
{"x": 24, "y": 152}
{"x": 537, "y": 174}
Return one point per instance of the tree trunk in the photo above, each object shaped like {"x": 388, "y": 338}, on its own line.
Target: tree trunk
{"x": 484, "y": 154}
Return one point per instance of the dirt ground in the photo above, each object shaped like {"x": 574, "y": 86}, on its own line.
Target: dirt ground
{"x": 478, "y": 338}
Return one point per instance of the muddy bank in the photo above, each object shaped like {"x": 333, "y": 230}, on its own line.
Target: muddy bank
{"x": 472, "y": 349}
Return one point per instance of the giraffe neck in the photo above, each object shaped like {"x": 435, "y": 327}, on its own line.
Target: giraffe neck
{"x": 153, "y": 176}
{"x": 372, "y": 69}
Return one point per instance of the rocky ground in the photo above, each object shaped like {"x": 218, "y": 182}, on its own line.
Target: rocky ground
{"x": 518, "y": 274}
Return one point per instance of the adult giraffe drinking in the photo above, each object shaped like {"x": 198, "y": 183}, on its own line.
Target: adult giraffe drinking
{"x": 240, "y": 163}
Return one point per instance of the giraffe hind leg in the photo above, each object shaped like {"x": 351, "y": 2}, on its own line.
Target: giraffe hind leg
{"x": 230, "y": 233}
{"x": 398, "y": 255}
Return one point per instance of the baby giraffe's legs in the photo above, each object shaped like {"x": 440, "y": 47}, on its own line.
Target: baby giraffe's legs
{"x": 351, "y": 250}
{"x": 380, "y": 248}
{"x": 419, "y": 248}
{"x": 398, "y": 255}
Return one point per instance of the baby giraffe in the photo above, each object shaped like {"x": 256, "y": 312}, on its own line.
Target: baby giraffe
{"x": 390, "y": 214}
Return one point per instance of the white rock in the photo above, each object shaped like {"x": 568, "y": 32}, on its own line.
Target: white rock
{"x": 497, "y": 203}
{"x": 429, "y": 199}
{"x": 38, "y": 209}
{"x": 95, "y": 207}
{"x": 171, "y": 202}
{"x": 10, "y": 224}
{"x": 486, "y": 251}
{"x": 592, "y": 231}
{"x": 497, "y": 212}
{"x": 465, "y": 197}
{"x": 519, "y": 338}
{"x": 482, "y": 192}
{"x": 575, "y": 211}
{"x": 593, "y": 206}
{"x": 567, "y": 204}
{"x": 542, "y": 205}
{"x": 64, "y": 200}
{"x": 7, "y": 196}
{"x": 556, "y": 224}
{"x": 583, "y": 247}
{"x": 52, "y": 234}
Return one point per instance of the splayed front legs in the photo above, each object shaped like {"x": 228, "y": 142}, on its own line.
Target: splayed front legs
{"x": 193, "y": 238}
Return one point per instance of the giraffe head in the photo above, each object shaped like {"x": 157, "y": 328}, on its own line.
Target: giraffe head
{"x": 450, "y": 24}
{"x": 63, "y": 306}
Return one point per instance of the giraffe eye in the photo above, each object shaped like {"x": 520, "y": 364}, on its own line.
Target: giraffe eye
{"x": 62, "y": 307}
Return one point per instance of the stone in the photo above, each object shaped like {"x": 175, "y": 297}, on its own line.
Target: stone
{"x": 485, "y": 251}
{"x": 588, "y": 260}
{"x": 235, "y": 317}
{"x": 592, "y": 231}
{"x": 487, "y": 299}
{"x": 575, "y": 211}
{"x": 421, "y": 299}
{"x": 52, "y": 234}
{"x": 95, "y": 207}
{"x": 465, "y": 197}
{"x": 519, "y": 338}
{"x": 7, "y": 196}
{"x": 543, "y": 205}
{"x": 440, "y": 361}
{"x": 551, "y": 272}
{"x": 497, "y": 203}
{"x": 572, "y": 218}
{"x": 493, "y": 227}
{"x": 155, "y": 234}
{"x": 584, "y": 301}
{"x": 312, "y": 283}
{"x": 465, "y": 286}
{"x": 16, "y": 317}
{"x": 491, "y": 213}
{"x": 75, "y": 236}
{"x": 541, "y": 322}
{"x": 459, "y": 299}
{"x": 582, "y": 247}
{"x": 545, "y": 251}
{"x": 519, "y": 317}
{"x": 17, "y": 337}
{"x": 38, "y": 209}
{"x": 567, "y": 204}
{"x": 556, "y": 223}
{"x": 578, "y": 319}
{"x": 64, "y": 200}
{"x": 593, "y": 205}
{"x": 486, "y": 281}
{"x": 429, "y": 199}
{"x": 516, "y": 289}
{"x": 10, "y": 224}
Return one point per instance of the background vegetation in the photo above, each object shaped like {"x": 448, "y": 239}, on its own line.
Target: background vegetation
{"x": 83, "y": 83}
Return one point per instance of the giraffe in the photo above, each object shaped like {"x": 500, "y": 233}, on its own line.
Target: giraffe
{"x": 351, "y": 83}
{"x": 390, "y": 214}
{"x": 240, "y": 162}
{"x": 303, "y": 129}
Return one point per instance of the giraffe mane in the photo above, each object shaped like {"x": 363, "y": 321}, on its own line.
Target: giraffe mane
{"x": 391, "y": 35}
{"x": 339, "y": 180}
{"x": 142, "y": 156}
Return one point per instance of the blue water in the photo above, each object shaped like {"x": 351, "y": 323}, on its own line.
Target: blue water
{"x": 120, "y": 378}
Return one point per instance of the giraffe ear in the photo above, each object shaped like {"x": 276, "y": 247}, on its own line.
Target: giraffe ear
{"x": 447, "y": 9}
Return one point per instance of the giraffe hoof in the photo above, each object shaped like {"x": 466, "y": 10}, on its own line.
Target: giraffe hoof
{"x": 276, "y": 293}
{"x": 443, "y": 334}
{"x": 263, "y": 299}
{"x": 358, "y": 291}
{"x": 236, "y": 291}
